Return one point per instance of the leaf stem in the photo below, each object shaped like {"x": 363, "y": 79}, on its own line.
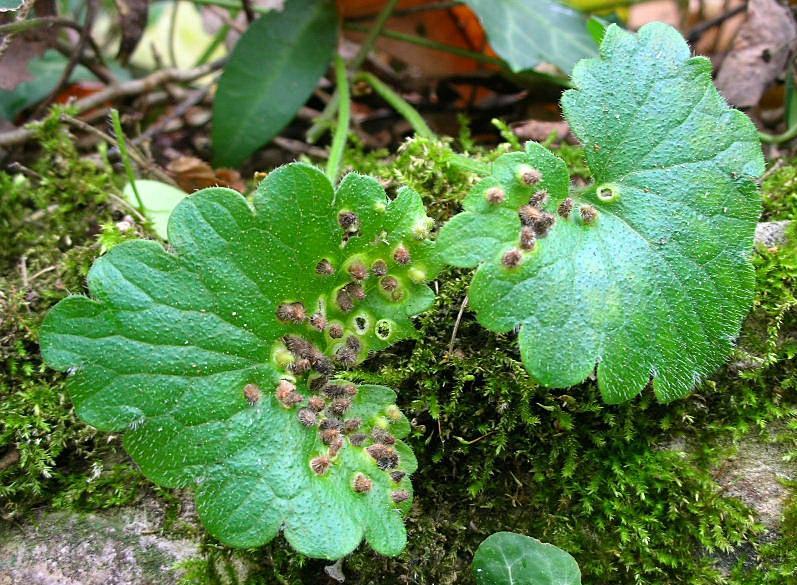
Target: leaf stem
{"x": 787, "y": 136}
{"x": 324, "y": 121}
{"x": 342, "y": 128}
{"x": 372, "y": 36}
{"x": 125, "y": 156}
{"x": 459, "y": 51}
{"x": 398, "y": 103}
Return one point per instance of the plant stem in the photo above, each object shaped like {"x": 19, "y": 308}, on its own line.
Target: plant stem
{"x": 120, "y": 140}
{"x": 460, "y": 52}
{"x": 399, "y": 104}
{"x": 430, "y": 44}
{"x": 788, "y": 135}
{"x": 324, "y": 121}
{"x": 342, "y": 127}
{"x": 373, "y": 34}
{"x": 231, "y": 5}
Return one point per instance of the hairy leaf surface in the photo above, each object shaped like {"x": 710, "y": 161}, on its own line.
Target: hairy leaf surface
{"x": 506, "y": 558}
{"x": 216, "y": 357}
{"x": 649, "y": 275}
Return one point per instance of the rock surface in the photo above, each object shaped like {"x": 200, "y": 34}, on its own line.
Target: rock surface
{"x": 123, "y": 546}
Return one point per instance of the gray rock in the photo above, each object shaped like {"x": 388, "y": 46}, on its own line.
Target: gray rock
{"x": 771, "y": 233}
{"x": 756, "y": 475}
{"x": 123, "y": 546}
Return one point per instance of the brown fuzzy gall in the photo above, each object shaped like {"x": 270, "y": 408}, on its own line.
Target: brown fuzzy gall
{"x": 355, "y": 291}
{"x": 565, "y": 207}
{"x": 529, "y": 214}
{"x": 351, "y": 425}
{"x": 344, "y": 300}
{"x": 512, "y": 258}
{"x": 318, "y": 321}
{"x": 287, "y": 395}
{"x": 386, "y": 457}
{"x": 307, "y": 417}
{"x": 588, "y": 213}
{"x": 357, "y": 439}
{"x": 298, "y": 346}
{"x": 252, "y": 394}
{"x": 324, "y": 268}
{"x": 346, "y": 357}
{"x": 379, "y": 267}
{"x": 495, "y": 195}
{"x": 397, "y": 476}
{"x": 401, "y": 255}
{"x": 337, "y": 390}
{"x": 539, "y": 198}
{"x": 382, "y": 436}
{"x": 335, "y": 330}
{"x": 389, "y": 283}
{"x": 529, "y": 175}
{"x": 323, "y": 365}
{"x": 316, "y": 403}
{"x": 329, "y": 436}
{"x": 320, "y": 465}
{"x": 331, "y": 423}
{"x": 349, "y": 221}
{"x": 400, "y": 496}
{"x": 339, "y": 406}
{"x": 544, "y": 223}
{"x": 335, "y": 446}
{"x": 353, "y": 343}
{"x": 358, "y": 270}
{"x": 362, "y": 484}
{"x": 300, "y": 366}
{"x": 291, "y": 312}
{"x": 284, "y": 389}
{"x": 528, "y": 239}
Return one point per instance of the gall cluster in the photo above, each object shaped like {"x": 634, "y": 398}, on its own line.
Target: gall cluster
{"x": 535, "y": 221}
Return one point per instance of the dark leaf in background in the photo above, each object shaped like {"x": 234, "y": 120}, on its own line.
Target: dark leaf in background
{"x": 132, "y": 21}
{"x": 24, "y": 46}
{"x": 9, "y": 5}
{"x": 759, "y": 53}
{"x": 272, "y": 72}
{"x": 526, "y": 33}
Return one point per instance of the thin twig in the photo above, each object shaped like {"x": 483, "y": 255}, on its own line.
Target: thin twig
{"x": 324, "y": 121}
{"x": 697, "y": 31}
{"x": 178, "y": 112}
{"x": 456, "y": 324}
{"x": 125, "y": 89}
{"x": 84, "y": 40}
{"x": 138, "y": 158}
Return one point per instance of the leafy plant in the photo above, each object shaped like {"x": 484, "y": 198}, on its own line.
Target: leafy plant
{"x": 273, "y": 70}
{"x": 646, "y": 272}
{"x": 529, "y": 32}
{"x": 218, "y": 358}
{"x": 505, "y": 558}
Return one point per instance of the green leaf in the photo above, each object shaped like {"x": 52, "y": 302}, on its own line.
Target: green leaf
{"x": 656, "y": 285}
{"x": 159, "y": 201}
{"x": 193, "y": 352}
{"x": 9, "y": 5}
{"x": 272, "y": 72}
{"x": 506, "y": 558}
{"x": 526, "y": 33}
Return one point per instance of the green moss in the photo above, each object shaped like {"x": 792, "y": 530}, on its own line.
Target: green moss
{"x": 779, "y": 191}
{"x": 49, "y": 223}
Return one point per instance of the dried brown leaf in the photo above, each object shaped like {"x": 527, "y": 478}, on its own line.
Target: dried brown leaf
{"x": 760, "y": 53}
